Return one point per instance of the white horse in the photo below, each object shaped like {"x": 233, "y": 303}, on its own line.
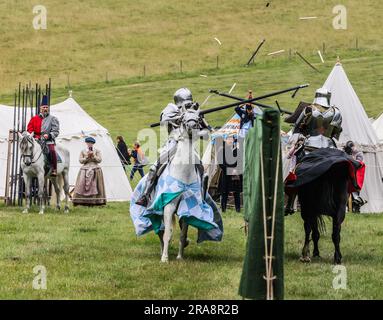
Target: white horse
{"x": 182, "y": 168}
{"x": 33, "y": 163}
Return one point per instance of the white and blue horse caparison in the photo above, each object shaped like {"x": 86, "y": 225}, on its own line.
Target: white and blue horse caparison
{"x": 179, "y": 191}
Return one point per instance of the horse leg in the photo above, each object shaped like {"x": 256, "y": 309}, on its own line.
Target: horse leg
{"x": 338, "y": 218}
{"x": 41, "y": 181}
{"x": 66, "y": 189}
{"x": 161, "y": 236}
{"x": 336, "y": 227}
{"x": 183, "y": 239}
{"x": 57, "y": 192}
{"x": 315, "y": 236}
{"x": 306, "y": 247}
{"x": 27, "y": 181}
{"x": 168, "y": 215}
{"x": 47, "y": 199}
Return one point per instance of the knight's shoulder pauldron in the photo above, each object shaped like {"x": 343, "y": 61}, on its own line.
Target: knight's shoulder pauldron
{"x": 317, "y": 120}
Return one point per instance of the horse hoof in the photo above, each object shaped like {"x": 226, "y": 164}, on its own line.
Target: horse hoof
{"x": 25, "y": 211}
{"x": 180, "y": 257}
{"x": 41, "y": 212}
{"x": 66, "y": 210}
{"x": 164, "y": 260}
{"x": 305, "y": 259}
{"x": 58, "y": 208}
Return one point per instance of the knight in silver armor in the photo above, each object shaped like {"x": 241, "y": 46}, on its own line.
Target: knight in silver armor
{"x": 320, "y": 122}
{"x": 171, "y": 117}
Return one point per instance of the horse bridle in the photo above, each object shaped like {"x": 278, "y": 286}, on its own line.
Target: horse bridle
{"x": 23, "y": 156}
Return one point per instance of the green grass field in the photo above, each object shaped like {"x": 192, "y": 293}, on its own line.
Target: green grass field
{"x": 127, "y": 106}
{"x": 87, "y": 39}
{"x": 93, "y": 253}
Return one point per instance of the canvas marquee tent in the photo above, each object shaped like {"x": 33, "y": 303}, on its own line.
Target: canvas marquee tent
{"x": 357, "y": 128}
{"x": 229, "y": 129}
{"x": 75, "y": 124}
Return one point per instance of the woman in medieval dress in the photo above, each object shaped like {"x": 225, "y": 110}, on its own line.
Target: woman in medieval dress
{"x": 90, "y": 189}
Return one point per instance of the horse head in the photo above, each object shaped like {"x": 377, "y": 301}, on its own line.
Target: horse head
{"x": 26, "y": 146}
{"x": 191, "y": 122}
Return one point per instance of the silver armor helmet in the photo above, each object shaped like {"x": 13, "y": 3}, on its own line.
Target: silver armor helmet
{"x": 322, "y": 97}
{"x": 183, "y": 97}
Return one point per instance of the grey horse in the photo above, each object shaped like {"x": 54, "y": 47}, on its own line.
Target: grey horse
{"x": 33, "y": 163}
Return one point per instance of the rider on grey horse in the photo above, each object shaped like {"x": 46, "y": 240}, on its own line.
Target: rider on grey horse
{"x": 45, "y": 129}
{"x": 171, "y": 116}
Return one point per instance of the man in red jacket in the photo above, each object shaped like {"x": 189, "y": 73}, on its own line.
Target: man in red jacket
{"x": 46, "y": 127}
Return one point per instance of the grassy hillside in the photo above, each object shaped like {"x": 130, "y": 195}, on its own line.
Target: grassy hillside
{"x": 126, "y": 106}
{"x": 93, "y": 253}
{"x": 87, "y": 39}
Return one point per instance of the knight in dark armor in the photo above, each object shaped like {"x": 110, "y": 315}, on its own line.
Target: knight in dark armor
{"x": 171, "y": 117}
{"x": 319, "y": 124}
{"x": 45, "y": 129}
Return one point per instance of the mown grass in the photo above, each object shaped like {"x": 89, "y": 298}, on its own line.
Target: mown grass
{"x": 93, "y": 253}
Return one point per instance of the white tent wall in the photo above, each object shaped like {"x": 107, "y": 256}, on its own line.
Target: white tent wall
{"x": 6, "y": 123}
{"x": 117, "y": 186}
{"x": 372, "y": 189}
{"x": 378, "y": 127}
{"x": 357, "y": 128}
{"x": 75, "y": 124}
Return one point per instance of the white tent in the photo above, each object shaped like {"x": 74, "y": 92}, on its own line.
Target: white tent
{"x": 75, "y": 124}
{"x": 378, "y": 126}
{"x": 357, "y": 127}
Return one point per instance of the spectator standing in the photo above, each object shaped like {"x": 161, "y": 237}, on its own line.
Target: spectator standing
{"x": 123, "y": 152}
{"x": 139, "y": 161}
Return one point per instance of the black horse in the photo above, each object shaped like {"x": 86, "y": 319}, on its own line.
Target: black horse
{"x": 323, "y": 178}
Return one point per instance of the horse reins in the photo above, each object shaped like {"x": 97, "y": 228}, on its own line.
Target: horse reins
{"x": 23, "y": 156}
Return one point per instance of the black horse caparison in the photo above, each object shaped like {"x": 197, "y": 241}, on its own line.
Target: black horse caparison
{"x": 326, "y": 195}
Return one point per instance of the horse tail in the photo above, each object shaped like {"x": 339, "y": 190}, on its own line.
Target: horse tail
{"x": 321, "y": 225}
